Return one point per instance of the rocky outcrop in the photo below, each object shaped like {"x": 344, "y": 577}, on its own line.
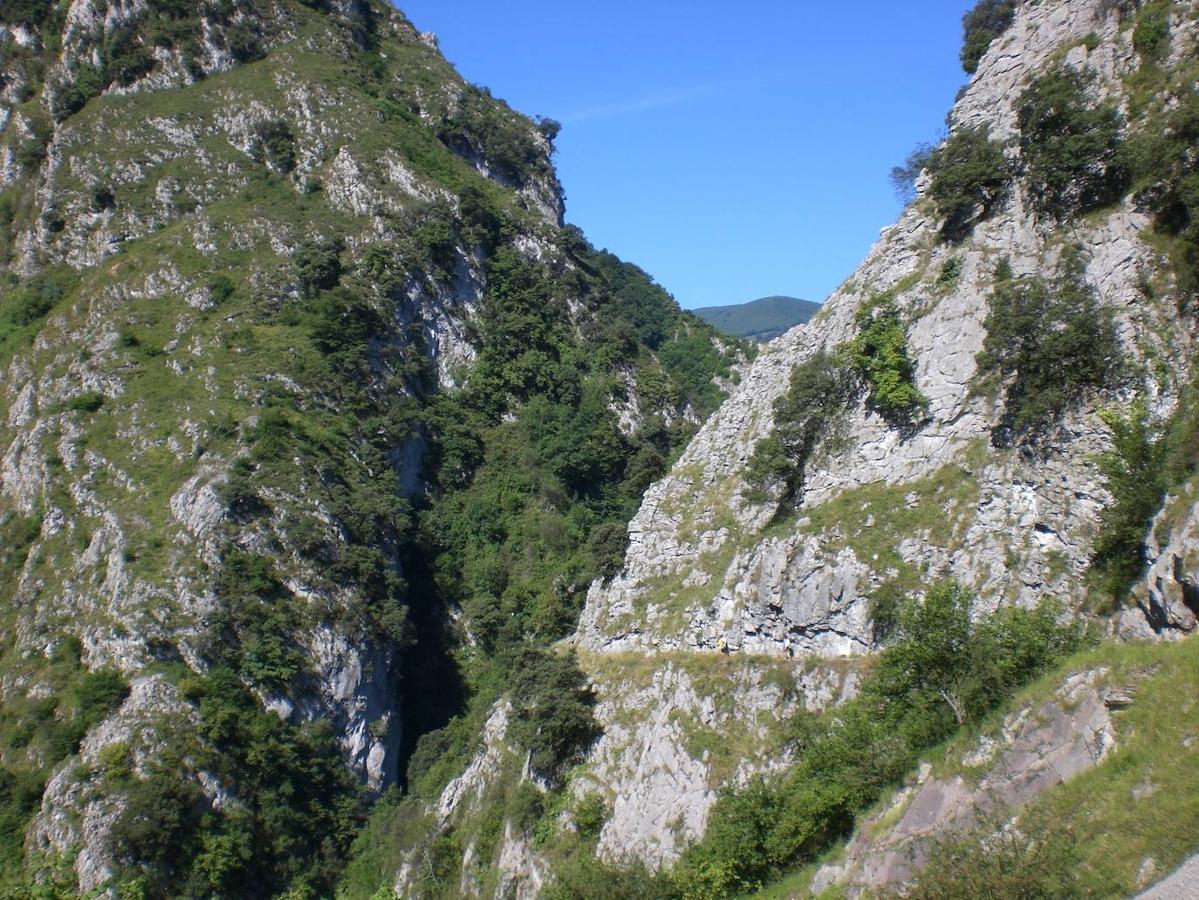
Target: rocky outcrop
{"x": 672, "y": 735}
{"x": 77, "y": 809}
{"x": 676, "y": 731}
{"x": 800, "y": 587}
{"x": 1169, "y": 598}
{"x": 1034, "y": 749}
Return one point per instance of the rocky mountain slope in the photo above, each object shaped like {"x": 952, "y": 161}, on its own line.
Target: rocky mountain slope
{"x": 288, "y": 321}
{"x": 999, "y": 398}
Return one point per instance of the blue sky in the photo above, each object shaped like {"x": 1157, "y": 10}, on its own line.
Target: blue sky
{"x": 731, "y": 150}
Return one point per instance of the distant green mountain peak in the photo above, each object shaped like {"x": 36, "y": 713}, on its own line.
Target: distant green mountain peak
{"x": 759, "y": 320}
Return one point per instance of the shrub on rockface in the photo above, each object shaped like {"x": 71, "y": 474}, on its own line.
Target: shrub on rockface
{"x": 1048, "y": 344}
{"x": 980, "y": 26}
{"x": 1151, "y": 34}
{"x": 290, "y": 816}
{"x": 969, "y": 173}
{"x": 317, "y": 265}
{"x": 879, "y": 355}
{"x": 273, "y": 144}
{"x": 903, "y": 177}
{"x": 1070, "y": 145}
{"x": 808, "y": 417}
{"x": 1149, "y": 459}
{"x": 1166, "y": 168}
{"x": 805, "y": 417}
{"x": 551, "y": 709}
{"x": 1134, "y": 475}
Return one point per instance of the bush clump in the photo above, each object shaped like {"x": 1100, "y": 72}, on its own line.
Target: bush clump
{"x": 1135, "y": 476}
{"x": 87, "y": 402}
{"x": 552, "y": 706}
{"x": 274, "y": 145}
{"x": 879, "y": 354}
{"x": 969, "y": 175}
{"x": 317, "y": 265}
{"x": 980, "y": 26}
{"x": 252, "y": 627}
{"x": 25, "y": 13}
{"x": 903, "y": 177}
{"x": 1166, "y": 167}
{"x": 1151, "y": 34}
{"x": 30, "y": 153}
{"x": 485, "y": 126}
{"x": 807, "y": 416}
{"x": 287, "y": 827}
{"x": 23, "y": 308}
{"x": 1049, "y": 344}
{"x": 1070, "y": 146}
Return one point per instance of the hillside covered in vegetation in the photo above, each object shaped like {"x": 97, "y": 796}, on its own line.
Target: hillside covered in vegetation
{"x": 759, "y": 320}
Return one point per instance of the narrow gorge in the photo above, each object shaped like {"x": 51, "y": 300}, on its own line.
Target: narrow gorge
{"x": 365, "y": 531}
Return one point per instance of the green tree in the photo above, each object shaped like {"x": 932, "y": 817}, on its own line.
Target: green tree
{"x": 807, "y": 416}
{"x": 980, "y": 26}
{"x": 969, "y": 173}
{"x": 552, "y": 714}
{"x": 1134, "y": 474}
{"x": 317, "y": 265}
{"x": 1069, "y": 145}
{"x": 275, "y": 145}
{"x": 879, "y": 354}
{"x": 903, "y": 177}
{"x": 1049, "y": 344}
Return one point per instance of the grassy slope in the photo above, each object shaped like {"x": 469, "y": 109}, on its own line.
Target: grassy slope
{"x": 1140, "y": 803}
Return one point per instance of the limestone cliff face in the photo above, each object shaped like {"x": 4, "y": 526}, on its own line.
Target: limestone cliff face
{"x": 711, "y": 572}
{"x": 155, "y": 199}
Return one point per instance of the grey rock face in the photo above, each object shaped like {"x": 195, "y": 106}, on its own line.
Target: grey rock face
{"x": 1170, "y": 595}
{"x": 700, "y": 549}
{"x": 76, "y": 812}
{"x": 520, "y": 871}
{"x": 675, "y": 732}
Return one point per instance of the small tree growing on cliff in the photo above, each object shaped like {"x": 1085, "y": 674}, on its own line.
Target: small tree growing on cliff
{"x": 969, "y": 175}
{"x": 980, "y": 26}
{"x": 806, "y": 417}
